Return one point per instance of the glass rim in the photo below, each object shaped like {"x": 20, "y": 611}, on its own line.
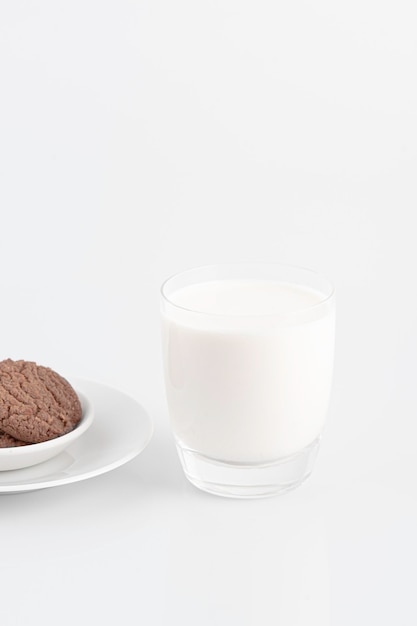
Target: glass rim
{"x": 326, "y": 298}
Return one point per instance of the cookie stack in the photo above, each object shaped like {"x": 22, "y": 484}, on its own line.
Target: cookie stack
{"x": 36, "y": 404}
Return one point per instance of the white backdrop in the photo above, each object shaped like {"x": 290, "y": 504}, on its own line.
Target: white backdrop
{"x": 140, "y": 138}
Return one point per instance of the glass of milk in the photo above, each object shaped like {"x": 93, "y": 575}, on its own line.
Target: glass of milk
{"x": 248, "y": 361}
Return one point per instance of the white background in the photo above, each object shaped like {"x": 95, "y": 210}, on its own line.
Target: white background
{"x": 140, "y": 138}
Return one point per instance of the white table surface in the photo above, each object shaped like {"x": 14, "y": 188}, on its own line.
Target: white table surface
{"x": 138, "y": 139}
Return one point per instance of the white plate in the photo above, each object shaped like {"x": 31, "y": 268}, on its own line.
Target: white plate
{"x": 120, "y": 431}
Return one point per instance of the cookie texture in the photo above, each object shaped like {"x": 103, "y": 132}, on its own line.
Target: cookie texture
{"x": 36, "y": 403}
{"x": 7, "y": 441}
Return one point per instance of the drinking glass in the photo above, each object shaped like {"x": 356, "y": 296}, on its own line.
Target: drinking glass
{"x": 248, "y": 362}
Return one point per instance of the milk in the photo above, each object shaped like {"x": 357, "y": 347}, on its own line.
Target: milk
{"x": 248, "y": 367}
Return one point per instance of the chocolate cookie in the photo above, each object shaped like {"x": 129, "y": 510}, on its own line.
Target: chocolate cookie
{"x": 36, "y": 403}
{"x": 7, "y": 441}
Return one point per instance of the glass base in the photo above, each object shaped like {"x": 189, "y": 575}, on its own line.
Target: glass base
{"x": 239, "y": 480}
